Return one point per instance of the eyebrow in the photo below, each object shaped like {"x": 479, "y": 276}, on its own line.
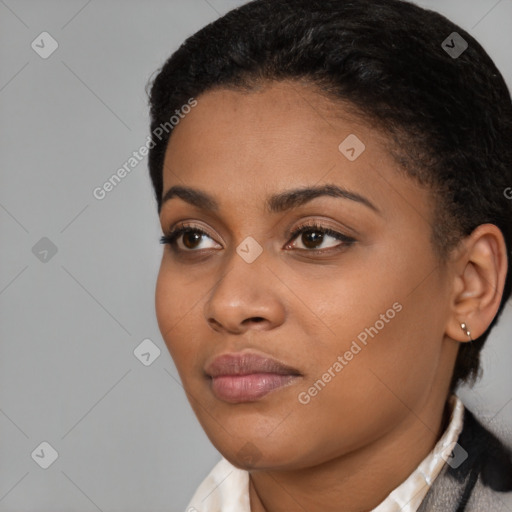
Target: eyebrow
{"x": 274, "y": 204}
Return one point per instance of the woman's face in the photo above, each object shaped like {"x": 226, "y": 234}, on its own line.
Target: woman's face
{"x": 359, "y": 313}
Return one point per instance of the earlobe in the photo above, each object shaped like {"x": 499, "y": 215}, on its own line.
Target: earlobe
{"x": 480, "y": 271}
{"x": 466, "y": 330}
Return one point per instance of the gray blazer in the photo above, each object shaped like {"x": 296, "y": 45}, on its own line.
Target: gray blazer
{"x": 482, "y": 483}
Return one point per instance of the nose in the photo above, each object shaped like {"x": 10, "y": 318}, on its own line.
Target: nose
{"x": 247, "y": 296}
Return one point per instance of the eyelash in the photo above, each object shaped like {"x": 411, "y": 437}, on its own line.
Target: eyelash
{"x": 171, "y": 237}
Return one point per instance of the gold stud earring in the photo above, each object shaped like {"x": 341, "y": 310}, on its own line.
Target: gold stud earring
{"x": 464, "y": 327}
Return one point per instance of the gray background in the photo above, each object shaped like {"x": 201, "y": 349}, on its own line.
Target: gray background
{"x": 126, "y": 437}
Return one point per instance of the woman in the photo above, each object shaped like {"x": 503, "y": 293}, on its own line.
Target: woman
{"x": 331, "y": 183}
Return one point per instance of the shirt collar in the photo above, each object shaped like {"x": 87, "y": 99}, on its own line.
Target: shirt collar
{"x": 408, "y": 496}
{"x": 226, "y": 488}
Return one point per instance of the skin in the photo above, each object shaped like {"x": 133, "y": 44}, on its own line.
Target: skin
{"x": 374, "y": 422}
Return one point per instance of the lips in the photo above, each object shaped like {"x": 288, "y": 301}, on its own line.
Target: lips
{"x": 246, "y": 364}
{"x": 247, "y": 377}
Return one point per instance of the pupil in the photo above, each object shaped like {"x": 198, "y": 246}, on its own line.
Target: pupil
{"x": 310, "y": 238}
{"x": 195, "y": 235}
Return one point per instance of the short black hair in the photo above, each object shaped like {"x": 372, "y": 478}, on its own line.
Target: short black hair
{"x": 448, "y": 116}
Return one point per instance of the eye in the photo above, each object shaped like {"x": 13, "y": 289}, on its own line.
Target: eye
{"x": 185, "y": 238}
{"x": 188, "y": 238}
{"x": 312, "y": 236}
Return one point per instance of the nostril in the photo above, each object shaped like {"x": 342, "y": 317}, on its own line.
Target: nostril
{"x": 213, "y": 323}
{"x": 254, "y": 320}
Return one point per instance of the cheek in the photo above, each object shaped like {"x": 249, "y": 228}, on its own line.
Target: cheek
{"x": 382, "y": 322}
{"x": 176, "y": 300}
{"x": 377, "y": 380}
{"x": 165, "y": 302}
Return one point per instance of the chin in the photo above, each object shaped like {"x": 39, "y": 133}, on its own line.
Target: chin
{"x": 252, "y": 452}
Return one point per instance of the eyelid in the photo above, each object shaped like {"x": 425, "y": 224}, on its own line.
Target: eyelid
{"x": 323, "y": 222}
{"x": 321, "y": 225}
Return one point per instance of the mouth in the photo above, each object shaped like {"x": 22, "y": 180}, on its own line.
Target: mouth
{"x": 247, "y": 377}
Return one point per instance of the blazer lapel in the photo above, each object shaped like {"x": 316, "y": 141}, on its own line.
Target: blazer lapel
{"x": 482, "y": 482}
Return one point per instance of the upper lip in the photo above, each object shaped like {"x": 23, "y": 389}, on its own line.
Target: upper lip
{"x": 246, "y": 363}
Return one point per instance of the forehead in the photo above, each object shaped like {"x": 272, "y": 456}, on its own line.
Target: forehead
{"x": 282, "y": 114}
{"x": 245, "y": 144}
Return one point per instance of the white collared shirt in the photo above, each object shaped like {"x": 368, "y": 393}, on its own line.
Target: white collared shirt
{"x": 226, "y": 488}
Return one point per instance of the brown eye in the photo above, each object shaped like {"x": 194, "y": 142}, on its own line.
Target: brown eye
{"x": 191, "y": 239}
{"x": 313, "y": 236}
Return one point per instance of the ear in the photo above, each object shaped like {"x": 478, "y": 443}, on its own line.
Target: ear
{"x": 480, "y": 269}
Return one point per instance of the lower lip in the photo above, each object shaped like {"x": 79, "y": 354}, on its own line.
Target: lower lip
{"x": 248, "y": 388}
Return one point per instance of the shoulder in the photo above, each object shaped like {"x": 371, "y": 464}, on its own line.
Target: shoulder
{"x": 479, "y": 480}
{"x": 486, "y": 454}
